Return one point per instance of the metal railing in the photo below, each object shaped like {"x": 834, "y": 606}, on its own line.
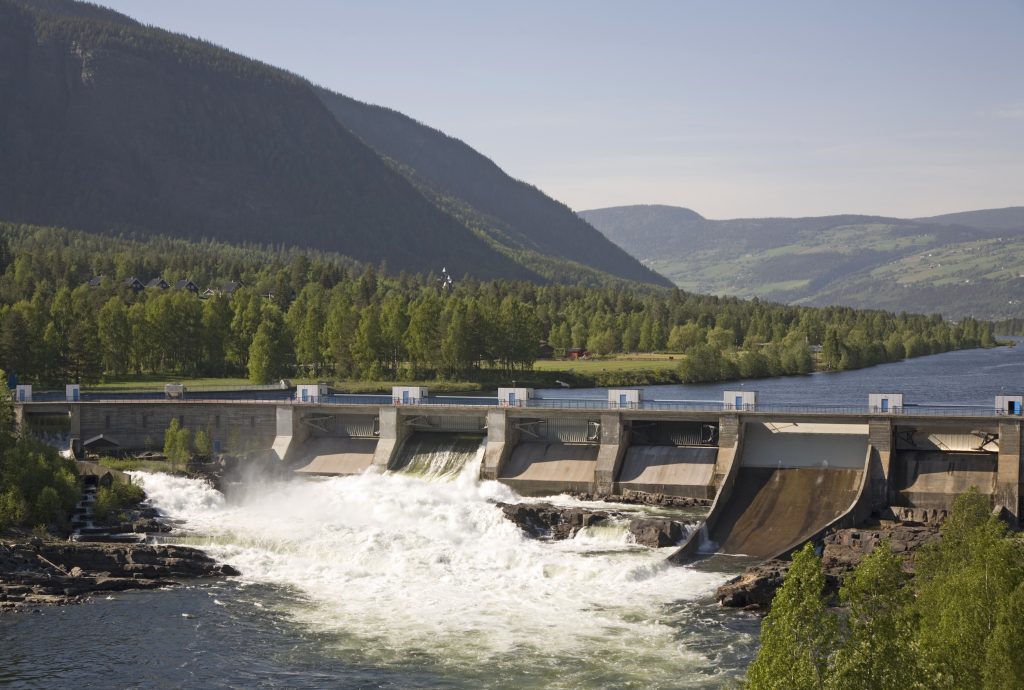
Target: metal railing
{"x": 276, "y": 396}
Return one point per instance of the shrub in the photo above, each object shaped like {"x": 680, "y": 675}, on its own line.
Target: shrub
{"x": 111, "y": 500}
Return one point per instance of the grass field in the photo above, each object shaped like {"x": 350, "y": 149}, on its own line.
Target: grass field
{"x": 620, "y": 363}
{"x": 156, "y": 383}
{"x": 581, "y": 372}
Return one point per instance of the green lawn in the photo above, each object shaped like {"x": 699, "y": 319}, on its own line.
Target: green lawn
{"x": 620, "y": 363}
{"x": 156, "y": 383}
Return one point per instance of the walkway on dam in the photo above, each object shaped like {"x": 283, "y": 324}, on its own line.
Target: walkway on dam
{"x": 275, "y": 396}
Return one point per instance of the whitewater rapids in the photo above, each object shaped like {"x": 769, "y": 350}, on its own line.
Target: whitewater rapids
{"x": 393, "y": 568}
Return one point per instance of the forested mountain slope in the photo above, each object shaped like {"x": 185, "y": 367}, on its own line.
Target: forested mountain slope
{"x": 969, "y": 264}
{"x": 512, "y": 213}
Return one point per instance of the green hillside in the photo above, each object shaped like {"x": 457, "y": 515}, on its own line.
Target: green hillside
{"x": 930, "y": 265}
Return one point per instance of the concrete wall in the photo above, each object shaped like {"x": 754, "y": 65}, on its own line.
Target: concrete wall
{"x": 1009, "y": 469}
{"x": 141, "y": 426}
{"x": 880, "y": 436}
{"x": 780, "y": 445}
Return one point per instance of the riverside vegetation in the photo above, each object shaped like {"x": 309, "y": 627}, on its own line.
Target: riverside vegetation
{"x": 307, "y": 313}
{"x": 959, "y": 623}
{"x": 38, "y": 487}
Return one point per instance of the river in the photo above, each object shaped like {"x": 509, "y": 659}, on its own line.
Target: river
{"x": 415, "y": 580}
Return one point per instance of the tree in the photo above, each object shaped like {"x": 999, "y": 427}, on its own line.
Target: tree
{"x": 115, "y": 334}
{"x": 963, "y": 582}
{"x": 177, "y": 444}
{"x": 175, "y": 450}
{"x": 270, "y": 352}
{"x": 877, "y": 649}
{"x": 367, "y": 347}
{"x": 216, "y": 334}
{"x": 203, "y": 443}
{"x": 423, "y": 335}
{"x": 798, "y": 634}
{"x": 1004, "y": 662}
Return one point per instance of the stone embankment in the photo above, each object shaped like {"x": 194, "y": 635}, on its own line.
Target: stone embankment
{"x": 842, "y": 550}
{"x": 548, "y": 521}
{"x": 45, "y": 571}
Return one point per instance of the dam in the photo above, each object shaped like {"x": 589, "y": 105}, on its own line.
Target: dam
{"x": 778, "y": 474}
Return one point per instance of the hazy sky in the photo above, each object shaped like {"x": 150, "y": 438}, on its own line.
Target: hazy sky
{"x": 913, "y": 107}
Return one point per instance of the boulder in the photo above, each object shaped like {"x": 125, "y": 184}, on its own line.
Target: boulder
{"x": 755, "y": 588}
{"x": 547, "y": 521}
{"x": 657, "y": 532}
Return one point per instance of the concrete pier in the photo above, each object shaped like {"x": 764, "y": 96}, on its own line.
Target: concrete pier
{"x": 610, "y": 453}
{"x": 392, "y": 433}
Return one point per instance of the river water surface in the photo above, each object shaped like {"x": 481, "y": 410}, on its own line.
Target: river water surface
{"x": 413, "y": 580}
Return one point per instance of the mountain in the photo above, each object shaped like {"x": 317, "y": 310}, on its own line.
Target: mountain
{"x": 969, "y": 264}
{"x": 513, "y": 214}
{"x": 110, "y": 126}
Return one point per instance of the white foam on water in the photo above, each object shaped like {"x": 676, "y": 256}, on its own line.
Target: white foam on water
{"x": 401, "y": 567}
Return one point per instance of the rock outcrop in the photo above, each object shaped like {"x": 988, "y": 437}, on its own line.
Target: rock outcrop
{"x": 842, "y": 550}
{"x": 658, "y": 532}
{"x": 642, "y": 498}
{"x": 547, "y": 521}
{"x": 40, "y": 571}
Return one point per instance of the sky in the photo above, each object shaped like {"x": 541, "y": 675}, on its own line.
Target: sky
{"x": 731, "y": 108}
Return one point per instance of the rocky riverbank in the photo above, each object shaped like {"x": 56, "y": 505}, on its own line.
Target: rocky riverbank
{"x": 38, "y": 571}
{"x": 548, "y": 521}
{"x": 641, "y": 498}
{"x": 842, "y": 550}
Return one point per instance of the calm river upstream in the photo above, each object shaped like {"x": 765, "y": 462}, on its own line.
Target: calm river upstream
{"x": 399, "y": 581}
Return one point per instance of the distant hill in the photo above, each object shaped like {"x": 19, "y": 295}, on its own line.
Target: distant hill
{"x": 1011, "y": 218}
{"x": 111, "y": 126}
{"x": 969, "y": 264}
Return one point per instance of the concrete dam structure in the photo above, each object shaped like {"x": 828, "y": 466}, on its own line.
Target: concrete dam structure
{"x": 779, "y": 475}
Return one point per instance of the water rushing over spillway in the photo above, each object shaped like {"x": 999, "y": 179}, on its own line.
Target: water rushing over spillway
{"x": 439, "y": 455}
{"x": 400, "y": 572}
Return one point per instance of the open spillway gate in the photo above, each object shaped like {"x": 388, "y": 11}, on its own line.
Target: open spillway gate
{"x": 552, "y": 455}
{"x": 932, "y": 464}
{"x": 438, "y": 446}
{"x": 671, "y": 458}
{"x": 333, "y": 444}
